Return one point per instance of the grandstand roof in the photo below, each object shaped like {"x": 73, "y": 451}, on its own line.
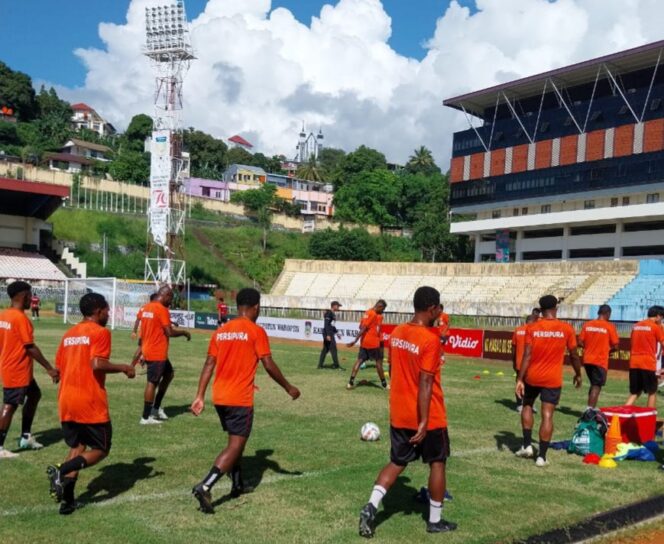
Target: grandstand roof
{"x": 30, "y": 198}
{"x": 580, "y": 73}
{"x": 237, "y": 139}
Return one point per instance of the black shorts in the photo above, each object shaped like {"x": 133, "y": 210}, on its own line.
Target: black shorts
{"x": 375, "y": 354}
{"x": 642, "y": 381}
{"x": 435, "y": 446}
{"x": 237, "y": 420}
{"x": 96, "y": 436}
{"x": 35, "y": 312}
{"x": 17, "y": 395}
{"x": 222, "y": 320}
{"x": 158, "y": 369}
{"x": 596, "y": 374}
{"x": 546, "y": 394}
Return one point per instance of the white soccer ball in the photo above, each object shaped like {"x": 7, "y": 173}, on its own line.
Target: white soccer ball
{"x": 370, "y": 432}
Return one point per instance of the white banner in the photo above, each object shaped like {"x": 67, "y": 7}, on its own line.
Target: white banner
{"x": 181, "y": 318}
{"x": 161, "y": 164}
{"x": 306, "y": 329}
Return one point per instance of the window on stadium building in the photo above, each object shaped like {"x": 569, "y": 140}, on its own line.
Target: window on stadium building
{"x": 546, "y": 208}
{"x": 524, "y": 211}
{"x": 614, "y": 201}
{"x": 495, "y": 214}
{"x": 588, "y": 204}
{"x": 652, "y": 198}
{"x": 642, "y": 251}
{"x": 591, "y": 253}
{"x": 643, "y": 226}
{"x": 515, "y": 211}
{"x": 542, "y": 255}
{"x": 542, "y": 233}
{"x": 593, "y": 229}
{"x": 625, "y": 201}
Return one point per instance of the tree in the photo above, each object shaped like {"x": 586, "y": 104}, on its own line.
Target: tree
{"x": 421, "y": 162}
{"x": 17, "y": 93}
{"x": 363, "y": 159}
{"x": 329, "y": 161}
{"x": 259, "y": 202}
{"x": 132, "y": 166}
{"x": 344, "y": 245}
{"x": 140, "y": 127}
{"x": 239, "y": 155}
{"x": 309, "y": 171}
{"x": 54, "y": 120}
{"x": 208, "y": 155}
{"x": 370, "y": 197}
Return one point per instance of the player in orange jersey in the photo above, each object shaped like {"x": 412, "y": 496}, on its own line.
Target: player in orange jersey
{"x": 156, "y": 330}
{"x": 233, "y": 354}
{"x": 418, "y": 418}
{"x": 598, "y": 338}
{"x": 371, "y": 344}
{"x": 541, "y": 374}
{"x": 647, "y": 336}
{"x": 17, "y": 351}
{"x": 518, "y": 348}
{"x": 83, "y": 360}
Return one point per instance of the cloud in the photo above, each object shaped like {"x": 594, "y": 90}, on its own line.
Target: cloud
{"x": 261, "y": 72}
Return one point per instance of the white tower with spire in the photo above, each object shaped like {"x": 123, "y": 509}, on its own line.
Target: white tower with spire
{"x": 309, "y": 145}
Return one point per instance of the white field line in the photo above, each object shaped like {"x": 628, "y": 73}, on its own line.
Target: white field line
{"x": 127, "y": 498}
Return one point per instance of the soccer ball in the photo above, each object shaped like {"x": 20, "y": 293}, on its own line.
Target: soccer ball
{"x": 370, "y": 432}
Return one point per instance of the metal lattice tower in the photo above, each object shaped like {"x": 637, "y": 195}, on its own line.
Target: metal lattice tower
{"x": 169, "y": 48}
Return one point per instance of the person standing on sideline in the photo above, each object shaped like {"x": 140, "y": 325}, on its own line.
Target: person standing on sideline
{"x": 541, "y": 374}
{"x": 222, "y": 312}
{"x": 233, "y": 354}
{"x": 35, "y": 305}
{"x": 418, "y": 418}
{"x": 647, "y": 336}
{"x": 83, "y": 361}
{"x": 329, "y": 336}
{"x": 518, "y": 347}
{"x": 598, "y": 338}
{"x": 156, "y": 330}
{"x": 17, "y": 351}
{"x": 371, "y": 344}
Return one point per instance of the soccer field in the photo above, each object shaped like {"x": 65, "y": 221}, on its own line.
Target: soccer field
{"x": 310, "y": 470}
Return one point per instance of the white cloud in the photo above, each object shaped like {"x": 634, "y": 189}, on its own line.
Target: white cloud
{"x": 260, "y": 72}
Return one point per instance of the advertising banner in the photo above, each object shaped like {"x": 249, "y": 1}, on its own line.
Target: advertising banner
{"x": 183, "y": 319}
{"x": 465, "y": 342}
{"x": 205, "y": 321}
{"x": 306, "y": 329}
{"x": 498, "y": 345}
{"x": 503, "y": 246}
{"x": 161, "y": 165}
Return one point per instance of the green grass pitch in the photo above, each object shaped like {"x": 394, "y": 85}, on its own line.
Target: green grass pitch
{"x": 311, "y": 472}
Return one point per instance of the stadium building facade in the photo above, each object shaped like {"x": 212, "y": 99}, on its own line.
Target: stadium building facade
{"x": 565, "y": 165}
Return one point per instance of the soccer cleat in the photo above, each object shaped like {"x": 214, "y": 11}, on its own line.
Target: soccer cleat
{"x": 204, "y": 498}
{"x": 386, "y": 387}
{"x": 149, "y": 421}
{"x": 56, "y": 490}
{"x": 441, "y": 526}
{"x": 368, "y": 520}
{"x": 350, "y": 386}
{"x": 541, "y": 462}
{"x": 158, "y": 413}
{"x": 6, "y": 454}
{"x": 67, "y": 508}
{"x": 525, "y": 453}
{"x": 29, "y": 443}
{"x": 519, "y": 409}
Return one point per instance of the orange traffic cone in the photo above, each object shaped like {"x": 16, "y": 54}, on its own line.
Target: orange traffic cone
{"x": 613, "y": 436}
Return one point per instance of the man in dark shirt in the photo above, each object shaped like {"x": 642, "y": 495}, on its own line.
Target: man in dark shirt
{"x": 329, "y": 339}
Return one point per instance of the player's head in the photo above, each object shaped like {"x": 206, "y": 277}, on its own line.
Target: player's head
{"x": 531, "y": 319}
{"x": 335, "y": 305}
{"x": 20, "y": 293}
{"x": 604, "y": 312}
{"x": 380, "y": 306}
{"x": 165, "y": 295}
{"x": 94, "y": 307}
{"x": 153, "y": 297}
{"x": 221, "y": 299}
{"x": 656, "y": 312}
{"x": 426, "y": 302}
{"x": 548, "y": 304}
{"x": 248, "y": 302}
{"x": 536, "y": 312}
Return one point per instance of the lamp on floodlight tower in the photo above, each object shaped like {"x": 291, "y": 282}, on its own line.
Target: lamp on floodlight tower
{"x": 168, "y": 46}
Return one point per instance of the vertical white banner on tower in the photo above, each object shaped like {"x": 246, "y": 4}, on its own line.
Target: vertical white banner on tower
{"x": 160, "y": 175}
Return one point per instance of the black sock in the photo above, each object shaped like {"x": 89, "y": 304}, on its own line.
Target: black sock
{"x": 519, "y": 401}
{"x": 236, "y": 476}
{"x": 544, "y": 446}
{"x": 69, "y": 485}
{"x": 158, "y": 399}
{"x": 3, "y": 436}
{"x": 352, "y": 380}
{"x": 73, "y": 465}
{"x": 212, "y": 477}
{"x": 527, "y": 437}
{"x": 147, "y": 408}
{"x": 383, "y": 382}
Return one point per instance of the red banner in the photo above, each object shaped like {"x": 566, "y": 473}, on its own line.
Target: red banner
{"x": 466, "y": 342}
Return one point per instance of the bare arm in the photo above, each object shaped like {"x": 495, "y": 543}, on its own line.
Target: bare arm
{"x": 135, "y": 329}
{"x": 206, "y": 375}
{"x": 576, "y": 363}
{"x": 35, "y": 353}
{"x": 275, "y": 373}
{"x": 525, "y": 363}
{"x": 174, "y": 333}
{"x": 104, "y": 365}
{"x": 424, "y": 392}
{"x": 363, "y": 331}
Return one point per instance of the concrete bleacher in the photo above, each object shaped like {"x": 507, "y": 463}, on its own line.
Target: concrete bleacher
{"x": 466, "y": 288}
{"x": 16, "y": 264}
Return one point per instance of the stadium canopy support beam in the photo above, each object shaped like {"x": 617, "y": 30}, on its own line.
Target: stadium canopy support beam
{"x": 592, "y": 98}
{"x": 562, "y": 100}
{"x": 474, "y": 128}
{"x": 517, "y": 117}
{"x": 620, "y": 91}
{"x": 652, "y": 82}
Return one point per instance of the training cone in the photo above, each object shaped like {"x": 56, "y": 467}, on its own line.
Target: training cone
{"x": 485, "y": 372}
{"x": 613, "y": 436}
{"x": 500, "y": 373}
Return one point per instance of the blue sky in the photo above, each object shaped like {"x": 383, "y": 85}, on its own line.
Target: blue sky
{"x": 58, "y": 27}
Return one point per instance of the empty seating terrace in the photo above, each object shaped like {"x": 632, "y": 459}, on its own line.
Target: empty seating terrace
{"x": 23, "y": 265}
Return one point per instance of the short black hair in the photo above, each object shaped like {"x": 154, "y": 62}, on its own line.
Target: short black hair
{"x": 548, "y": 302}
{"x": 248, "y": 297}
{"x": 604, "y": 309}
{"x": 425, "y": 297}
{"x": 656, "y": 310}
{"x": 536, "y": 311}
{"x": 17, "y": 287}
{"x": 381, "y": 302}
{"x": 153, "y": 297}
{"x": 92, "y": 302}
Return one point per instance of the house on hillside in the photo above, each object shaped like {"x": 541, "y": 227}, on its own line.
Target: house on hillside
{"x": 313, "y": 198}
{"x": 243, "y": 174}
{"x": 89, "y": 150}
{"x": 86, "y": 117}
{"x": 66, "y": 162}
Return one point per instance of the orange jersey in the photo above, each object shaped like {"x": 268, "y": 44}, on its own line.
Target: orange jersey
{"x": 82, "y": 394}
{"x": 598, "y": 337}
{"x": 443, "y": 323}
{"x": 519, "y": 343}
{"x": 237, "y": 346}
{"x": 16, "y": 333}
{"x": 414, "y": 349}
{"x": 155, "y": 317}
{"x": 646, "y": 335}
{"x": 548, "y": 339}
{"x": 372, "y": 321}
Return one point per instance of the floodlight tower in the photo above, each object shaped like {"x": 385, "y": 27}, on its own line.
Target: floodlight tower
{"x": 168, "y": 46}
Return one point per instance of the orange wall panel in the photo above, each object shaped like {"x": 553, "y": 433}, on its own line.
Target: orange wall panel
{"x": 498, "y": 162}
{"x": 520, "y": 158}
{"x": 543, "y": 154}
{"x": 653, "y": 135}
{"x": 568, "y": 145}
{"x": 456, "y": 169}
{"x": 476, "y": 165}
{"x": 623, "y": 141}
{"x": 595, "y": 145}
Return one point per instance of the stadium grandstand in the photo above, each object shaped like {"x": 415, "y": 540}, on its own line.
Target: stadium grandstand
{"x": 565, "y": 165}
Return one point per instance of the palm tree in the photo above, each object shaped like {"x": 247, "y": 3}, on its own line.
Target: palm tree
{"x": 309, "y": 171}
{"x": 421, "y": 161}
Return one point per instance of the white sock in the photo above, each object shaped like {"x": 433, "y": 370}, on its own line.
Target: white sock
{"x": 435, "y": 511}
{"x": 377, "y": 494}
